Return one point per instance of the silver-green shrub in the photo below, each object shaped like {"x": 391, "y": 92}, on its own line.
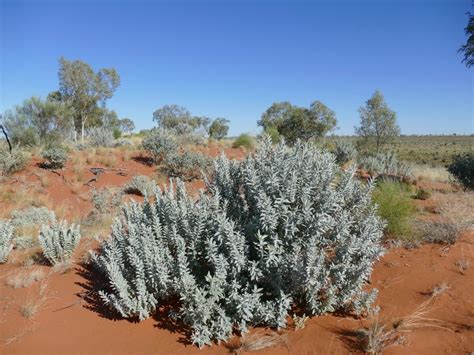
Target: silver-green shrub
{"x": 32, "y": 216}
{"x": 140, "y": 185}
{"x": 188, "y": 165}
{"x": 55, "y": 157}
{"x": 12, "y": 162}
{"x": 6, "y": 237}
{"x": 384, "y": 164}
{"x": 282, "y": 228}
{"x": 58, "y": 241}
{"x": 160, "y": 143}
{"x": 101, "y": 137}
{"x": 344, "y": 152}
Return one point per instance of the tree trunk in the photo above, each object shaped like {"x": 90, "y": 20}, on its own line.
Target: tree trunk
{"x": 82, "y": 131}
{"x": 6, "y": 137}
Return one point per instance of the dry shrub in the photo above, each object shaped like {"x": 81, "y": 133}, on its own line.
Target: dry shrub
{"x": 429, "y": 173}
{"x": 25, "y": 278}
{"x": 456, "y": 212}
{"x": 258, "y": 341}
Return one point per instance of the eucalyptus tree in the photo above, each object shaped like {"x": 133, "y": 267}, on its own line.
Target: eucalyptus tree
{"x": 468, "y": 48}
{"x": 219, "y": 128}
{"x": 86, "y": 90}
{"x": 378, "y": 123}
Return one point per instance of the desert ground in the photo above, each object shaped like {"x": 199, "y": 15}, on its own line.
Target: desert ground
{"x": 425, "y": 299}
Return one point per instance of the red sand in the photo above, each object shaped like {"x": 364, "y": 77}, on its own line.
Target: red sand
{"x": 66, "y": 324}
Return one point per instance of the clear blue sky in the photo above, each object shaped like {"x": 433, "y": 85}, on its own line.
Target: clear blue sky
{"x": 234, "y": 58}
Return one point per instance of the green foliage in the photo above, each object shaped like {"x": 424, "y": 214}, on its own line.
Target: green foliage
{"x": 395, "y": 206}
{"x": 85, "y": 91}
{"x": 117, "y": 133}
{"x": 55, "y": 157}
{"x": 295, "y": 123}
{"x": 179, "y": 120}
{"x": 378, "y": 123}
{"x": 462, "y": 168}
{"x": 344, "y": 152}
{"x": 245, "y": 141}
{"x": 6, "y": 237}
{"x": 284, "y": 228}
{"x": 468, "y": 48}
{"x": 13, "y": 162}
{"x": 219, "y": 128}
{"x": 187, "y": 165}
{"x": 58, "y": 241}
{"x": 160, "y": 143}
{"x": 272, "y": 132}
{"x": 36, "y": 122}
{"x": 126, "y": 125}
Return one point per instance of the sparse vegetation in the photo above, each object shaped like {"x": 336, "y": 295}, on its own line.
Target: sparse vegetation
{"x": 140, "y": 185}
{"x": 12, "y": 162}
{"x": 55, "y": 157}
{"x": 6, "y": 237}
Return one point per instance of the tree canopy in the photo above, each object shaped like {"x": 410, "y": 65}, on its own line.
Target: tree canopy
{"x": 219, "y": 128}
{"x": 468, "y": 48}
{"x": 293, "y": 122}
{"x": 378, "y": 123}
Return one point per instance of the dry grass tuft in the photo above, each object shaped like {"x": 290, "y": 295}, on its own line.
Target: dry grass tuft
{"x": 32, "y": 305}
{"x": 429, "y": 173}
{"x": 25, "y": 279}
{"x": 258, "y": 341}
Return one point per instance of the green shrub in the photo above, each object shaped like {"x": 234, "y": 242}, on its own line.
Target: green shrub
{"x": 117, "y": 133}
{"x": 244, "y": 140}
{"x": 13, "y": 162}
{"x": 55, "y": 158}
{"x": 462, "y": 168}
{"x": 273, "y": 133}
{"x": 395, "y": 206}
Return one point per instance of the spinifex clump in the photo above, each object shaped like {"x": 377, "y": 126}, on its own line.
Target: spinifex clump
{"x": 283, "y": 227}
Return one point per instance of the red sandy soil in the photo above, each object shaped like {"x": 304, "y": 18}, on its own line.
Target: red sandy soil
{"x": 70, "y": 323}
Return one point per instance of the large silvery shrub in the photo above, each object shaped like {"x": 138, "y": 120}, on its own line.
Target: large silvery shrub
{"x": 58, "y": 241}
{"x": 6, "y": 237}
{"x": 282, "y": 228}
{"x": 101, "y": 137}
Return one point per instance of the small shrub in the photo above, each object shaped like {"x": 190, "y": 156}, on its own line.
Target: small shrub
{"x": 159, "y": 144}
{"x": 123, "y": 143}
{"x": 384, "y": 164}
{"x": 462, "y": 168}
{"x": 6, "y": 237}
{"x": 101, "y": 137}
{"x": 344, "y": 152}
{"x": 395, "y": 206}
{"x": 32, "y": 216}
{"x": 24, "y": 242}
{"x": 187, "y": 166}
{"x": 273, "y": 133}
{"x": 106, "y": 200}
{"x": 140, "y": 185}
{"x": 422, "y": 194}
{"x": 58, "y": 241}
{"x": 245, "y": 141}
{"x": 282, "y": 228}
{"x": 117, "y": 133}
{"x": 13, "y": 162}
{"x": 55, "y": 157}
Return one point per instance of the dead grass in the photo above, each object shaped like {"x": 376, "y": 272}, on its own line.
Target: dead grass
{"x": 378, "y": 336}
{"x": 33, "y": 304}
{"x": 25, "y": 278}
{"x": 258, "y": 341}
{"x": 433, "y": 174}
{"x": 456, "y": 216}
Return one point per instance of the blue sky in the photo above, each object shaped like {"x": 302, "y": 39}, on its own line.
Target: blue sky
{"x": 233, "y": 59}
